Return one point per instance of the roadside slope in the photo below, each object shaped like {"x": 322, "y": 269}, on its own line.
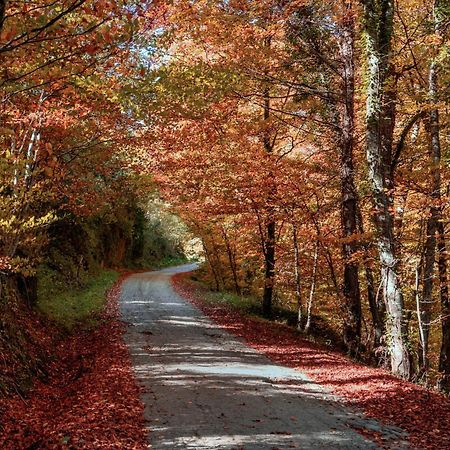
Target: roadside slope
{"x": 88, "y": 399}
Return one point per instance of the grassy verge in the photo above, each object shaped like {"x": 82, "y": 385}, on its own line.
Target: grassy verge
{"x": 251, "y": 306}
{"x": 247, "y": 304}
{"x": 67, "y": 305}
{"x": 168, "y": 261}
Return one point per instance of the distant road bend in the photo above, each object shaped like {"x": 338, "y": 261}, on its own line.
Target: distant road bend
{"x": 205, "y": 389}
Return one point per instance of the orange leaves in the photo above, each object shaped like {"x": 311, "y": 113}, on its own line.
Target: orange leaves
{"x": 61, "y": 87}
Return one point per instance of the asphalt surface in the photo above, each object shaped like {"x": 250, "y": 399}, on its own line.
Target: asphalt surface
{"x": 203, "y": 388}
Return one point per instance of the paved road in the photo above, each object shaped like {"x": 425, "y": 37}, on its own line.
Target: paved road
{"x": 205, "y": 389}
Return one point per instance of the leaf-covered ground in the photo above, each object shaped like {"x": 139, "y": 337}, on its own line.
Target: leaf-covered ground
{"x": 89, "y": 399}
{"x": 423, "y": 414}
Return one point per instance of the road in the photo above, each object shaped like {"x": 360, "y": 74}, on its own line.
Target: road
{"x": 205, "y": 389}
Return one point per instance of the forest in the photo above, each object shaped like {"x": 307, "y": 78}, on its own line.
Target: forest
{"x": 306, "y": 143}
{"x": 301, "y": 147}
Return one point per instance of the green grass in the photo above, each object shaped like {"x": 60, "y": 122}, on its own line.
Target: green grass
{"x": 247, "y": 304}
{"x": 68, "y": 306}
{"x": 251, "y": 306}
{"x": 168, "y": 261}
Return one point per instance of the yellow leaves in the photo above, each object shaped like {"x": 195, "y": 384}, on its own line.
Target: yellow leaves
{"x": 17, "y": 224}
{"x": 433, "y": 40}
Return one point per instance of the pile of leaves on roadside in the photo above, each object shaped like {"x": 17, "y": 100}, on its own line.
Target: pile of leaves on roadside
{"x": 89, "y": 398}
{"x": 423, "y": 414}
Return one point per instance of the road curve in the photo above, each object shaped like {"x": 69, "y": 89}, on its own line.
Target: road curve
{"x": 205, "y": 389}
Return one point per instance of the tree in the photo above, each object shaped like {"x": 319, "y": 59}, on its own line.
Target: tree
{"x": 380, "y": 119}
{"x": 59, "y": 123}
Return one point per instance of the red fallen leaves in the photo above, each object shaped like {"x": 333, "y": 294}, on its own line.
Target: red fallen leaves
{"x": 423, "y": 414}
{"x": 90, "y": 399}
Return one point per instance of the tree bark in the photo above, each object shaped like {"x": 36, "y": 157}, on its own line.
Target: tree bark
{"x": 380, "y": 118}
{"x": 269, "y": 245}
{"x": 216, "y": 254}
{"x": 426, "y": 299}
{"x": 298, "y": 286}
{"x": 312, "y": 289}
{"x": 444, "y": 357}
{"x": 436, "y": 219}
{"x": 3, "y": 4}
{"x": 231, "y": 259}
{"x": 211, "y": 264}
{"x": 349, "y": 206}
{"x": 377, "y": 309}
{"x": 269, "y": 274}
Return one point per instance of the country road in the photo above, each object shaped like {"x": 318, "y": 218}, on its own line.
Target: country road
{"x": 205, "y": 389}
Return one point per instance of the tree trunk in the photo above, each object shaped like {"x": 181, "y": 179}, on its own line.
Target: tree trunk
{"x": 380, "y": 117}
{"x": 3, "y": 4}
{"x": 211, "y": 264}
{"x": 376, "y": 306}
{"x": 444, "y": 357}
{"x": 269, "y": 247}
{"x": 27, "y": 289}
{"x": 298, "y": 287}
{"x": 232, "y": 260}
{"x": 436, "y": 216}
{"x": 426, "y": 299}
{"x": 269, "y": 274}
{"x": 351, "y": 290}
{"x": 312, "y": 289}
{"x": 216, "y": 254}
{"x": 420, "y": 324}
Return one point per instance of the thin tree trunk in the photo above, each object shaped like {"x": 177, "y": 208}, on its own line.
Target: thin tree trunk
{"x": 380, "y": 118}
{"x": 426, "y": 300}
{"x": 436, "y": 216}
{"x": 216, "y": 254}
{"x": 3, "y": 5}
{"x": 420, "y": 322}
{"x": 231, "y": 260}
{"x": 376, "y": 307}
{"x": 211, "y": 264}
{"x": 351, "y": 290}
{"x": 298, "y": 287}
{"x": 312, "y": 289}
{"x": 444, "y": 357}
{"x": 269, "y": 274}
{"x": 269, "y": 247}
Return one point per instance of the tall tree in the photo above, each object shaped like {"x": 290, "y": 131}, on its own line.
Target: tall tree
{"x": 349, "y": 206}
{"x": 332, "y": 82}
{"x": 270, "y": 240}
{"x": 435, "y": 222}
{"x": 378, "y": 18}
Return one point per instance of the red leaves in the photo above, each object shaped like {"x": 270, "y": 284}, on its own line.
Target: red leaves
{"x": 423, "y": 414}
{"x": 90, "y": 399}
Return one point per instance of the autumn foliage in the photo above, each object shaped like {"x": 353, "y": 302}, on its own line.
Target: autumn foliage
{"x": 305, "y": 143}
